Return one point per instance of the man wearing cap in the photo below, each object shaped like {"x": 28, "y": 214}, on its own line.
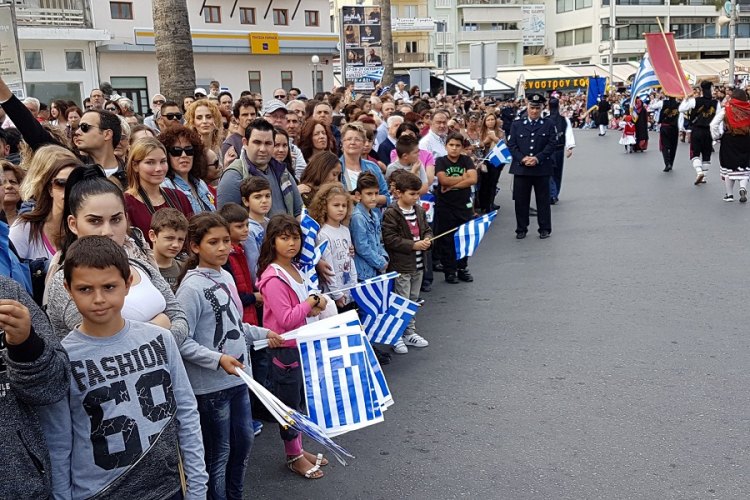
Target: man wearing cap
{"x": 156, "y": 103}
{"x": 702, "y": 111}
{"x": 276, "y": 113}
{"x": 532, "y": 143}
{"x": 401, "y": 93}
{"x": 200, "y": 93}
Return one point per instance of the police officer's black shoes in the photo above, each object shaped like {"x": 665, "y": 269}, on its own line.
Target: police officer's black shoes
{"x": 451, "y": 278}
{"x": 521, "y": 235}
{"x": 543, "y": 234}
{"x": 465, "y": 275}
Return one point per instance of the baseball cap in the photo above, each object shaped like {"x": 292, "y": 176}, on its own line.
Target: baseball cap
{"x": 200, "y": 90}
{"x": 273, "y": 105}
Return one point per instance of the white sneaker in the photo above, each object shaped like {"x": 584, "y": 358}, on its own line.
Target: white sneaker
{"x": 400, "y": 347}
{"x": 415, "y": 340}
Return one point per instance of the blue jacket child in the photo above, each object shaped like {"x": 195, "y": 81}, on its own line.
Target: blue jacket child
{"x": 370, "y": 256}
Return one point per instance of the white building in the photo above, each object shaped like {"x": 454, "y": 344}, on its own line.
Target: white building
{"x": 226, "y": 35}
{"x": 58, "y": 48}
{"x": 463, "y": 22}
{"x": 578, "y": 30}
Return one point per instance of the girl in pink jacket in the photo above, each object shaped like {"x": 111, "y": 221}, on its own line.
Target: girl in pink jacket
{"x": 289, "y": 302}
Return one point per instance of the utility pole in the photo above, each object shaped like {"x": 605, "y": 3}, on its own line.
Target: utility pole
{"x": 732, "y": 39}
{"x": 444, "y": 55}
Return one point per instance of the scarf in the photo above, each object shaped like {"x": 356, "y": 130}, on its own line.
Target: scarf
{"x": 738, "y": 113}
{"x": 205, "y": 201}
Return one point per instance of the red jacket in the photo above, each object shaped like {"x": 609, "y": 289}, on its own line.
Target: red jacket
{"x": 238, "y": 268}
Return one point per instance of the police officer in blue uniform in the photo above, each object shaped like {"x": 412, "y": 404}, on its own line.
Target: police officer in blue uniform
{"x": 532, "y": 144}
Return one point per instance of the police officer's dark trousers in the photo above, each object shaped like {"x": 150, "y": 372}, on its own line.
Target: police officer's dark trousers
{"x": 522, "y": 185}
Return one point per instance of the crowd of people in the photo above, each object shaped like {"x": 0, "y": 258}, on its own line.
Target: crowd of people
{"x": 141, "y": 256}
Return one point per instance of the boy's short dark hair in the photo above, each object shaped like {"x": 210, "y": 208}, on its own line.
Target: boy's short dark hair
{"x": 99, "y": 252}
{"x": 366, "y": 180}
{"x": 252, "y": 185}
{"x": 232, "y": 212}
{"x": 406, "y": 144}
{"x": 454, "y": 136}
{"x": 406, "y": 181}
{"x": 168, "y": 218}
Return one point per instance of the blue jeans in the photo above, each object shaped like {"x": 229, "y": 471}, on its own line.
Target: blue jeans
{"x": 227, "y": 428}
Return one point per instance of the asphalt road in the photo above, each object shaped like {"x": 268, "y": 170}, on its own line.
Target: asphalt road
{"x": 609, "y": 361}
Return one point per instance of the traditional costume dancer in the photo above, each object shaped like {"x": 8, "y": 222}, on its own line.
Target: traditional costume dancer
{"x": 702, "y": 111}
{"x": 668, "y": 129}
{"x": 628, "y": 133}
{"x": 731, "y": 125}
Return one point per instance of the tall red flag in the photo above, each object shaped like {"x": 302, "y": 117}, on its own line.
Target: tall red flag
{"x": 663, "y": 55}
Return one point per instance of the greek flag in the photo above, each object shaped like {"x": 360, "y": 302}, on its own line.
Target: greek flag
{"x": 310, "y": 254}
{"x": 375, "y": 74}
{"x": 500, "y": 154}
{"x": 386, "y": 314}
{"x": 344, "y": 386}
{"x": 470, "y": 234}
{"x": 644, "y": 79}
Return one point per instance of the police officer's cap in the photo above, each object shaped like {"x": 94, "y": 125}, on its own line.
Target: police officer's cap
{"x": 536, "y": 100}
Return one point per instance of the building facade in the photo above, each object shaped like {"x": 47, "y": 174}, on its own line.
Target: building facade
{"x": 460, "y": 23}
{"x": 574, "y": 39}
{"x": 228, "y": 45}
{"x": 57, "y": 44}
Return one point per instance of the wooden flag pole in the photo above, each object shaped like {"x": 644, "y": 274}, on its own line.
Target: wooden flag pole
{"x": 443, "y": 234}
{"x": 672, "y": 57}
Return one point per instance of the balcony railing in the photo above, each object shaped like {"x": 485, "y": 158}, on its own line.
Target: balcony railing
{"x": 488, "y": 35}
{"x": 411, "y": 57}
{"x": 483, "y": 3}
{"x": 51, "y": 13}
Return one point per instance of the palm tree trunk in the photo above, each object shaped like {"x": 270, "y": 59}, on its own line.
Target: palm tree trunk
{"x": 174, "y": 48}
{"x": 386, "y": 42}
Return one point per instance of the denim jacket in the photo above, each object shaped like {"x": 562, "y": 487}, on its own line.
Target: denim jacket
{"x": 366, "y": 166}
{"x": 370, "y": 255}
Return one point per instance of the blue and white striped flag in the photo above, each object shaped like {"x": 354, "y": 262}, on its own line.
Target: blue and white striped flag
{"x": 338, "y": 382}
{"x": 644, "y": 79}
{"x": 375, "y": 74}
{"x": 500, "y": 154}
{"x": 386, "y": 314}
{"x": 310, "y": 254}
{"x": 470, "y": 234}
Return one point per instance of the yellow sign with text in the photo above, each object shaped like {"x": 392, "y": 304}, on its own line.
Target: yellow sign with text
{"x": 264, "y": 43}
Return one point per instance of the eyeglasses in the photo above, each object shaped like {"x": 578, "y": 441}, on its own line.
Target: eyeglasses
{"x": 173, "y": 116}
{"x": 59, "y": 183}
{"x": 85, "y": 127}
{"x": 214, "y": 164}
{"x": 112, "y": 110}
{"x": 177, "y": 151}
{"x": 280, "y": 96}
{"x": 158, "y": 103}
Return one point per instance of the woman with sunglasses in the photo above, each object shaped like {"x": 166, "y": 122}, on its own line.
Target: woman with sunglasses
{"x": 113, "y": 107}
{"x": 147, "y": 168}
{"x": 187, "y": 167}
{"x": 204, "y": 117}
{"x": 36, "y": 234}
{"x": 95, "y": 205}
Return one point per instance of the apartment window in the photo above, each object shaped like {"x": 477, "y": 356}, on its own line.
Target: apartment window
{"x": 253, "y": 78}
{"x": 121, "y": 10}
{"x": 280, "y": 17}
{"x": 74, "y": 60}
{"x": 312, "y": 18}
{"x": 409, "y": 11}
{"x": 470, "y": 27}
{"x": 583, "y": 4}
{"x": 582, "y": 36}
{"x": 565, "y": 5}
{"x": 286, "y": 80}
{"x": 212, "y": 14}
{"x": 411, "y": 47}
{"x": 247, "y": 15}
{"x": 33, "y": 60}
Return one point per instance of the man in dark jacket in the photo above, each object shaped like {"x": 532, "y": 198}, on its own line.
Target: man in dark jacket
{"x": 532, "y": 143}
{"x": 34, "y": 371}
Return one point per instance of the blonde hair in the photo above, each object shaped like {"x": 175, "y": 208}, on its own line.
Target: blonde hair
{"x": 319, "y": 206}
{"x": 43, "y": 167}
{"x": 354, "y": 127}
{"x": 215, "y": 140}
{"x": 140, "y": 150}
